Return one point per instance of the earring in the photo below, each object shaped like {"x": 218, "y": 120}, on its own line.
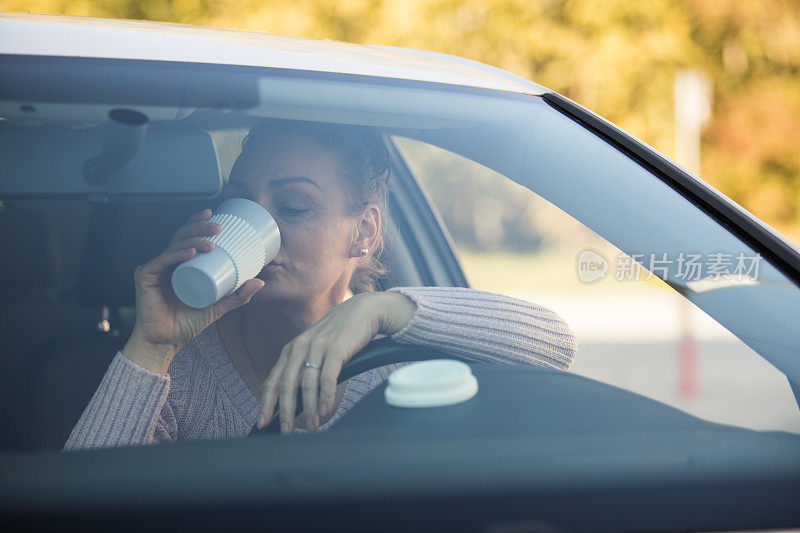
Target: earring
{"x": 364, "y": 251}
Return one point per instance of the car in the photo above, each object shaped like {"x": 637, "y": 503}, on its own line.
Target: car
{"x": 113, "y": 132}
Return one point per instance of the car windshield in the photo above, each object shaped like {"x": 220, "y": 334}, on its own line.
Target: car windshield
{"x": 103, "y": 159}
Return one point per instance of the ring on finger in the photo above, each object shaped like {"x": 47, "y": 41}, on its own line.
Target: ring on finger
{"x": 309, "y": 364}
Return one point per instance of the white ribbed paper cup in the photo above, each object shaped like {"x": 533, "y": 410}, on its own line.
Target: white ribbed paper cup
{"x": 248, "y": 240}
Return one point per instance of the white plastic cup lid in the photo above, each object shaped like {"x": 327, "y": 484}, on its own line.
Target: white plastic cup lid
{"x": 433, "y": 383}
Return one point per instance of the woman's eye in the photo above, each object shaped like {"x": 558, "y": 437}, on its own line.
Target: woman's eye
{"x": 290, "y": 210}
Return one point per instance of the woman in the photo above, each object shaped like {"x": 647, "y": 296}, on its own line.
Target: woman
{"x": 212, "y": 373}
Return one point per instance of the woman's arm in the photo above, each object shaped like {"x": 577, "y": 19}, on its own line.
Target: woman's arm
{"x": 129, "y": 408}
{"x": 487, "y": 327}
{"x": 479, "y": 325}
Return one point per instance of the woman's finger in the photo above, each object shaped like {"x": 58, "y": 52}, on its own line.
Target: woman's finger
{"x": 328, "y": 379}
{"x": 310, "y": 381}
{"x": 289, "y": 383}
{"x": 153, "y": 269}
{"x": 242, "y": 295}
{"x": 269, "y": 390}
{"x": 199, "y": 243}
{"x": 196, "y": 229}
{"x": 205, "y": 214}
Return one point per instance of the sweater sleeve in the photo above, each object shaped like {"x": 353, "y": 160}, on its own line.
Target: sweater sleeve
{"x": 129, "y": 408}
{"x": 487, "y": 327}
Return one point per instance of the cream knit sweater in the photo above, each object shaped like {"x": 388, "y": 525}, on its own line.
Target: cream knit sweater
{"x": 203, "y": 397}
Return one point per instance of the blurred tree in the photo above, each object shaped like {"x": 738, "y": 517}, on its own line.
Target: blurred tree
{"x": 616, "y": 57}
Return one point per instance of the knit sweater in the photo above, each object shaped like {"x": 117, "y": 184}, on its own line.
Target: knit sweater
{"x": 204, "y": 397}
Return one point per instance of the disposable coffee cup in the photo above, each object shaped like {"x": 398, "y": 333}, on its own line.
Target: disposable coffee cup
{"x": 248, "y": 240}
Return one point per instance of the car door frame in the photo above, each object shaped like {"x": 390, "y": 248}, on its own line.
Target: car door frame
{"x": 420, "y": 228}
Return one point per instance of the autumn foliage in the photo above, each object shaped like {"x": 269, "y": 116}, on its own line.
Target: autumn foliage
{"x": 616, "y": 57}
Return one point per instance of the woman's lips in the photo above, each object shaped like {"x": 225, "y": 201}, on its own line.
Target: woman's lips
{"x": 268, "y": 269}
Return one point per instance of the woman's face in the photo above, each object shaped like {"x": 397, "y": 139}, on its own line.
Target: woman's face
{"x": 297, "y": 180}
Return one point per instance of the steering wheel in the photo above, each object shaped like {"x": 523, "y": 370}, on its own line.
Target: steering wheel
{"x": 377, "y": 353}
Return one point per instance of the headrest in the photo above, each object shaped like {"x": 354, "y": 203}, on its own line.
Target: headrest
{"x": 40, "y": 241}
{"x": 122, "y": 236}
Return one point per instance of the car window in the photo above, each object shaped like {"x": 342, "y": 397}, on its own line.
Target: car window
{"x": 633, "y": 330}
{"x": 536, "y": 206}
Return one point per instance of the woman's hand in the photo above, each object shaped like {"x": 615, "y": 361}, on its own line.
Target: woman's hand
{"x": 163, "y": 322}
{"x": 327, "y": 345}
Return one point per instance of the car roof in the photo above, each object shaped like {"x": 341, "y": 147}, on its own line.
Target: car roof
{"x": 59, "y": 35}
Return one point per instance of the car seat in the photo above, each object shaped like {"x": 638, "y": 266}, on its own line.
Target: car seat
{"x": 38, "y": 268}
{"x": 67, "y": 368}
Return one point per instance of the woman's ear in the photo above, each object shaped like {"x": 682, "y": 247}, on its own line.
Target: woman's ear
{"x": 367, "y": 231}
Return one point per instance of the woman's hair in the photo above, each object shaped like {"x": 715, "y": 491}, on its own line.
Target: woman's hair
{"x": 365, "y": 167}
